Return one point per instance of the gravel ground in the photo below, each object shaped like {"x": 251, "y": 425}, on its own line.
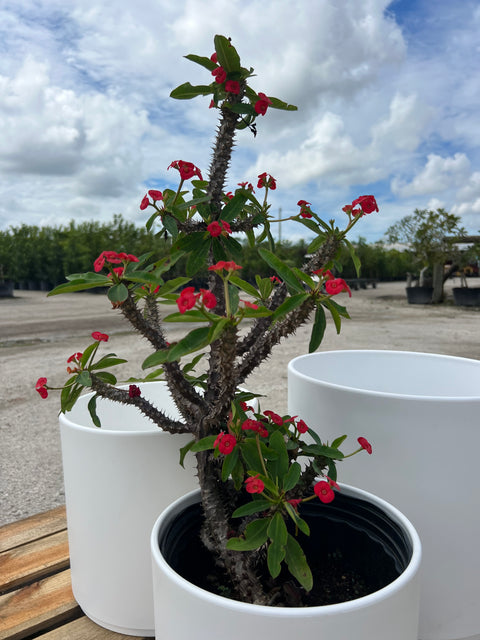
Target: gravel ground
{"x": 37, "y": 334}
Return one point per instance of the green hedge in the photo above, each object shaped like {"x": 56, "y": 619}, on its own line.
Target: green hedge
{"x": 39, "y": 258}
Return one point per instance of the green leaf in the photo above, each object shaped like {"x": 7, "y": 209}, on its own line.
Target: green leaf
{"x": 289, "y": 305}
{"x": 277, "y": 529}
{"x": 106, "y": 376}
{"x": 186, "y": 91}
{"x": 280, "y": 104}
{"x": 353, "y": 255}
{"x": 85, "y": 379}
{"x": 278, "y": 467}
{"x": 202, "y": 61}
{"x": 323, "y": 450}
{"x": 338, "y": 441}
{"x": 297, "y": 563}
{"x": 299, "y": 522}
{"x": 193, "y": 315}
{"x": 229, "y": 463}
{"x": 227, "y": 55}
{"x": 107, "y": 361}
{"x": 275, "y": 556}
{"x": 118, "y": 293}
{"x": 204, "y": 444}
{"x": 197, "y": 259}
{"x": 244, "y": 286}
{"x": 234, "y": 207}
{"x": 92, "y": 409}
{"x": 159, "y": 357}
{"x": 335, "y": 315}
{"x": 318, "y": 329}
{"x": 284, "y": 272}
{"x": 80, "y": 285}
{"x": 250, "y": 508}
{"x": 292, "y": 477}
{"x": 184, "y": 450}
{"x": 172, "y": 285}
{"x": 196, "y": 339}
{"x": 255, "y": 535}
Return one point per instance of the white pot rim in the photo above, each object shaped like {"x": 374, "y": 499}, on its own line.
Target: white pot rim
{"x": 333, "y": 609}
{"x": 292, "y": 368}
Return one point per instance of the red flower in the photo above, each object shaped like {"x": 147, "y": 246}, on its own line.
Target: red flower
{"x": 266, "y": 180}
{"x": 226, "y": 227}
{"x": 262, "y": 104}
{"x": 232, "y": 86}
{"x": 324, "y": 274}
{"x": 187, "y": 169}
{"x": 225, "y": 443}
{"x": 208, "y": 299}
{"x": 99, "y": 263}
{"x": 112, "y": 256}
{"x": 101, "y": 337}
{"x": 186, "y": 300}
{"x": 252, "y": 425}
{"x": 222, "y": 264}
{"x": 275, "y": 280}
{"x": 134, "y": 391}
{"x": 118, "y": 271}
{"x": 274, "y": 417}
{"x": 213, "y": 57}
{"x": 324, "y": 491}
{"x": 246, "y": 185}
{"x": 76, "y": 357}
{"x": 332, "y": 483}
{"x": 219, "y": 74}
{"x": 41, "y": 387}
{"x": 155, "y": 195}
{"x": 337, "y": 285}
{"x": 249, "y": 304}
{"x": 301, "y": 427}
{"x": 367, "y": 203}
{"x": 214, "y": 229}
{"x": 144, "y": 203}
{"x": 254, "y": 485}
{"x": 364, "y": 443}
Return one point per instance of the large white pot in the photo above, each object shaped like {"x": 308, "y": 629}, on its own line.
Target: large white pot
{"x": 421, "y": 413}
{"x": 117, "y": 479}
{"x": 184, "y": 611}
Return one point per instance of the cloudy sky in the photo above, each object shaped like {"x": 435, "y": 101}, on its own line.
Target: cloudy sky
{"x": 388, "y": 98}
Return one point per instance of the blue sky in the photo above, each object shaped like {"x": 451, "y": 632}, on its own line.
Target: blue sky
{"x": 388, "y": 99}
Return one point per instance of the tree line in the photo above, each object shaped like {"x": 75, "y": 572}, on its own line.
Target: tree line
{"x": 40, "y": 257}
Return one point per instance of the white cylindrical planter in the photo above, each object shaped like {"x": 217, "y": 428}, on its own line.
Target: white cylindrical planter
{"x": 117, "y": 479}
{"x": 184, "y": 611}
{"x": 421, "y": 414}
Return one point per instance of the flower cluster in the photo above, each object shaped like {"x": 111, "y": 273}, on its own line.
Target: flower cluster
{"x": 112, "y": 257}
{"x": 188, "y": 299}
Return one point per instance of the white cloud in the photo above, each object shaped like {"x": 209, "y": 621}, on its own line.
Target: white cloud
{"x": 438, "y": 175}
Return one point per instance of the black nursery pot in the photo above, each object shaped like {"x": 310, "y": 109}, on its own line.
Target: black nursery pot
{"x": 354, "y": 549}
{"x": 419, "y": 295}
{"x": 466, "y": 297}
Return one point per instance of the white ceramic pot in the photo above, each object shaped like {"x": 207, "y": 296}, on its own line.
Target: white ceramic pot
{"x": 421, "y": 413}
{"x": 117, "y": 479}
{"x": 184, "y": 611}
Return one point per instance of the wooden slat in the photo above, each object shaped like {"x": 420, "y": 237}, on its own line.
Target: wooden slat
{"x": 85, "y": 629}
{"x": 38, "y": 606}
{"x": 33, "y": 561}
{"x": 33, "y": 528}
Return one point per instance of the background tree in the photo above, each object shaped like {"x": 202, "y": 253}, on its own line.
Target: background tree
{"x": 428, "y": 236}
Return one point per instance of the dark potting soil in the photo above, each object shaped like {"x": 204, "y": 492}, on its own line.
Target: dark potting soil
{"x": 352, "y": 550}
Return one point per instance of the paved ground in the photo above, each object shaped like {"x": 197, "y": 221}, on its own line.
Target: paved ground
{"x": 37, "y": 334}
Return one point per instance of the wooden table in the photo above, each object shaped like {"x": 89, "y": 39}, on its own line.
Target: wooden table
{"x": 36, "y": 599}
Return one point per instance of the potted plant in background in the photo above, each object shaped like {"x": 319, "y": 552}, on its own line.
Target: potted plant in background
{"x": 467, "y": 268}
{"x": 429, "y": 237}
{"x": 265, "y": 481}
